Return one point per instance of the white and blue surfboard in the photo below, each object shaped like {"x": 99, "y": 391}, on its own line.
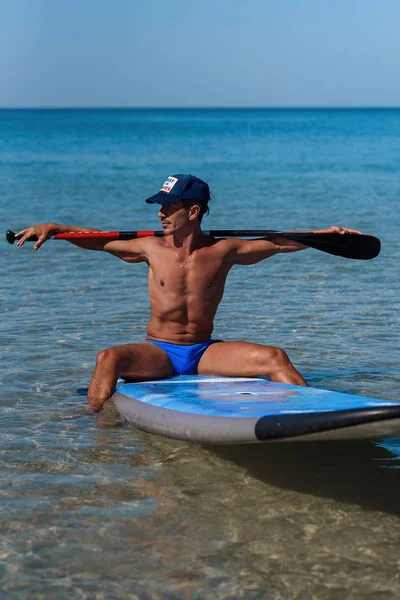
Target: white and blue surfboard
{"x": 234, "y": 410}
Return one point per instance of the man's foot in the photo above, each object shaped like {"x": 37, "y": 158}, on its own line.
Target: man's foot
{"x": 86, "y": 411}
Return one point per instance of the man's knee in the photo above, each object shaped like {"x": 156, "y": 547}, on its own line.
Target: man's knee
{"x": 276, "y": 359}
{"x": 108, "y": 358}
{"x": 281, "y": 357}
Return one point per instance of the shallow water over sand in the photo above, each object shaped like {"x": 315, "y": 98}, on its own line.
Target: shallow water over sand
{"x": 93, "y": 509}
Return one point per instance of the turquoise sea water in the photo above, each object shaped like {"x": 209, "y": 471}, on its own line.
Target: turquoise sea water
{"x": 92, "y": 509}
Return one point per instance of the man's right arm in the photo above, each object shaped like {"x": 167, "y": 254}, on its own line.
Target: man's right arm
{"x": 129, "y": 250}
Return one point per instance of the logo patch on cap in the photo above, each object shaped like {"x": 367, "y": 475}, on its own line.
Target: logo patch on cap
{"x": 169, "y": 184}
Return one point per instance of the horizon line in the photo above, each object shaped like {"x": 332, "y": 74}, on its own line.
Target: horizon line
{"x": 341, "y": 107}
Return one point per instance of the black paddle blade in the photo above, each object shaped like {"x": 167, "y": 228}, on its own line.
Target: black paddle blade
{"x": 347, "y": 245}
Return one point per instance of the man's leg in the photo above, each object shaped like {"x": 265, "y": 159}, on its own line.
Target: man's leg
{"x": 244, "y": 359}
{"x": 129, "y": 361}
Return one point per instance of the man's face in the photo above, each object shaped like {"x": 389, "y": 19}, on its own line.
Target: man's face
{"x": 174, "y": 217}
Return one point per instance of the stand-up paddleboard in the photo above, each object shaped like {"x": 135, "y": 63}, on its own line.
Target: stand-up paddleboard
{"x": 233, "y": 410}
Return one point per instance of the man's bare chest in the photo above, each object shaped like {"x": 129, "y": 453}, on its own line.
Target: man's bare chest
{"x": 196, "y": 273}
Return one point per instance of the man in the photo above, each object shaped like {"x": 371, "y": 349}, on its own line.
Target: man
{"x": 187, "y": 274}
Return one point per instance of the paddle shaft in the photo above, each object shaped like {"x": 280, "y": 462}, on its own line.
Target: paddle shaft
{"x": 347, "y": 245}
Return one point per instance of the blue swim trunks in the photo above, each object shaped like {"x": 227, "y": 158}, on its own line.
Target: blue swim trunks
{"x": 184, "y": 358}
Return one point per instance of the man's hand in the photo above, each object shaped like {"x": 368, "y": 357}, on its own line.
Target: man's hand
{"x": 338, "y": 229}
{"x": 45, "y": 231}
{"x": 42, "y": 232}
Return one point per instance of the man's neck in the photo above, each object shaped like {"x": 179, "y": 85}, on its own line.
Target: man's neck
{"x": 189, "y": 240}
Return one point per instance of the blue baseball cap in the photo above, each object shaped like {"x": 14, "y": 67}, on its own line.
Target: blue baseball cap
{"x": 181, "y": 187}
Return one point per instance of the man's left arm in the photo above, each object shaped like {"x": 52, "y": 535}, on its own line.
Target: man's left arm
{"x": 250, "y": 252}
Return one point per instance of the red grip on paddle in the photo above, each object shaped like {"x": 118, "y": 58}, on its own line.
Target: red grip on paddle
{"x": 141, "y": 234}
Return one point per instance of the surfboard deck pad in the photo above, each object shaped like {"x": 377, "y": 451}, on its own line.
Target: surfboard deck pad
{"x": 237, "y": 410}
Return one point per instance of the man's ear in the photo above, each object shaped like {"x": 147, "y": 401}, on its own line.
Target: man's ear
{"x": 194, "y": 211}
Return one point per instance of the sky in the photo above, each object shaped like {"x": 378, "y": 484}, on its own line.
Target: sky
{"x": 204, "y": 53}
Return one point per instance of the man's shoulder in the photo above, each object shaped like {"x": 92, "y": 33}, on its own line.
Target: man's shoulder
{"x": 149, "y": 241}
{"x": 220, "y": 247}
{"x": 223, "y": 244}
{"x": 152, "y": 244}
{"x": 214, "y": 244}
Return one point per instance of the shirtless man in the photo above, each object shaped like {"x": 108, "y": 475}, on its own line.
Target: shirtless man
{"x": 187, "y": 274}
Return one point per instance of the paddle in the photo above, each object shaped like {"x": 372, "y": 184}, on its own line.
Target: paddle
{"x": 348, "y": 245}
